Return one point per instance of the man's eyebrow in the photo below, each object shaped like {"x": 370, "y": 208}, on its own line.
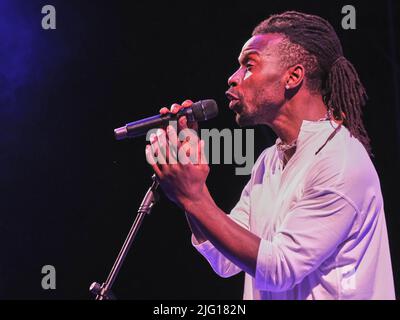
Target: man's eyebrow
{"x": 245, "y": 56}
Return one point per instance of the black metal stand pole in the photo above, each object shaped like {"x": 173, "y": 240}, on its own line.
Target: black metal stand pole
{"x": 103, "y": 292}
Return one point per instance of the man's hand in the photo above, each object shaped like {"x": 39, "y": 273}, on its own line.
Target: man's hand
{"x": 182, "y": 123}
{"x": 180, "y": 166}
{"x": 185, "y": 184}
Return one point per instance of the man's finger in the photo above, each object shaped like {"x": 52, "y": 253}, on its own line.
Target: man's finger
{"x": 159, "y": 148}
{"x": 189, "y": 147}
{"x": 202, "y": 154}
{"x": 152, "y": 161}
{"x": 182, "y": 123}
{"x": 162, "y": 146}
{"x": 187, "y": 103}
{"x": 173, "y": 144}
{"x": 164, "y": 110}
{"x": 175, "y": 108}
{"x": 191, "y": 125}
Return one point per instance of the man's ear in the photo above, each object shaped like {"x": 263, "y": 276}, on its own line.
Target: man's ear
{"x": 295, "y": 76}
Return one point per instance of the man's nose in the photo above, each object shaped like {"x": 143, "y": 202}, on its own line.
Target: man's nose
{"x": 233, "y": 80}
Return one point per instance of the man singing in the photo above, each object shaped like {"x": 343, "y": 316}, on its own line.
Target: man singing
{"x": 310, "y": 222}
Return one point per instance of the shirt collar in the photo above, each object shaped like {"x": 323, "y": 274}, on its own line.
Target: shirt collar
{"x": 309, "y": 128}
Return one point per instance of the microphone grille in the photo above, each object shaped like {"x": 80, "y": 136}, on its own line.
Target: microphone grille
{"x": 205, "y": 109}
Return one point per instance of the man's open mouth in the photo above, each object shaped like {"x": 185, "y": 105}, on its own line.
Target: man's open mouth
{"x": 234, "y": 99}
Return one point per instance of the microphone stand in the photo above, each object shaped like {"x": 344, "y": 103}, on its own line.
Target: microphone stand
{"x": 103, "y": 292}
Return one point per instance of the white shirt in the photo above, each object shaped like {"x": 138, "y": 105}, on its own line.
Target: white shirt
{"x": 320, "y": 219}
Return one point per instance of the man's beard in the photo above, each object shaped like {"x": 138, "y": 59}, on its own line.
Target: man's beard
{"x": 243, "y": 117}
{"x": 259, "y": 113}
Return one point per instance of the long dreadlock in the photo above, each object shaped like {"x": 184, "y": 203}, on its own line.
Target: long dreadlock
{"x": 331, "y": 74}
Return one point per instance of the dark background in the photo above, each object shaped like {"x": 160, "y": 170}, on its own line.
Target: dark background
{"x": 69, "y": 191}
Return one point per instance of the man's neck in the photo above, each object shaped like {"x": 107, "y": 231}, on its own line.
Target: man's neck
{"x": 288, "y": 122}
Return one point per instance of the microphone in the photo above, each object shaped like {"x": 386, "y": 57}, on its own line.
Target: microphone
{"x": 199, "y": 111}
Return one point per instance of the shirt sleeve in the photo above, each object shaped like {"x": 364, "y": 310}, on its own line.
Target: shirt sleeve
{"x": 310, "y": 233}
{"x": 219, "y": 263}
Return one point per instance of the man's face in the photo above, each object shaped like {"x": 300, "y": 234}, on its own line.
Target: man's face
{"x": 257, "y": 88}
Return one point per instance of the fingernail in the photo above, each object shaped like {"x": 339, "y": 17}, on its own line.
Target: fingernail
{"x": 183, "y": 121}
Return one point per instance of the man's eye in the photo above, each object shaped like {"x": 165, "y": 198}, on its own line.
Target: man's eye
{"x": 249, "y": 66}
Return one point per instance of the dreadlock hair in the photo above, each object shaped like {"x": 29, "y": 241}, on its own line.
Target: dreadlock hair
{"x": 312, "y": 41}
